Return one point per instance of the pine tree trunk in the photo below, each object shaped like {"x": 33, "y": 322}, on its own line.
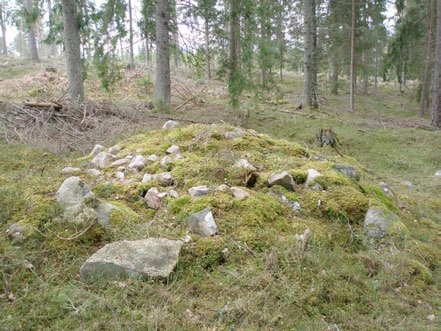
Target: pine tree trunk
{"x": 309, "y": 98}
{"x": 352, "y": 66}
{"x": 3, "y": 27}
{"x": 436, "y": 96}
{"x": 207, "y": 48}
{"x": 162, "y": 97}
{"x": 365, "y": 73}
{"x": 32, "y": 38}
{"x": 52, "y": 44}
{"x": 71, "y": 39}
{"x": 426, "y": 77}
{"x": 132, "y": 56}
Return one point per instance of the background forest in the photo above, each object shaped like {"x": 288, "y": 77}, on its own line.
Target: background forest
{"x": 74, "y": 74}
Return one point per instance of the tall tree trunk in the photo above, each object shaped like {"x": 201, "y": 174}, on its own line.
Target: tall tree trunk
{"x": 52, "y": 44}
{"x": 426, "y": 77}
{"x": 352, "y": 66}
{"x": 233, "y": 58}
{"x": 132, "y": 56}
{"x": 32, "y": 38}
{"x": 3, "y": 27}
{"x": 72, "y": 49}
{"x": 162, "y": 96}
{"x": 207, "y": 47}
{"x": 436, "y": 96}
{"x": 365, "y": 72}
{"x": 334, "y": 75}
{"x": 309, "y": 98}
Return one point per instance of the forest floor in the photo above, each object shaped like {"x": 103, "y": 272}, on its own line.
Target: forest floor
{"x": 384, "y": 133}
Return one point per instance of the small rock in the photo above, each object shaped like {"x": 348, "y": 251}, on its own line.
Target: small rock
{"x": 386, "y": 190}
{"x": 202, "y": 223}
{"x": 431, "y": 317}
{"x": 152, "y": 198}
{"x": 316, "y": 187}
{"x": 244, "y": 163}
{"x": 166, "y": 160}
{"x": 138, "y": 162}
{"x": 139, "y": 150}
{"x": 234, "y": 134}
{"x": 239, "y": 193}
{"x": 94, "y": 172}
{"x": 73, "y": 194}
{"x": 283, "y": 179}
{"x": 409, "y": 184}
{"x": 173, "y": 150}
{"x": 97, "y": 149}
{"x": 312, "y": 175}
{"x": 165, "y": 178}
{"x": 15, "y": 231}
{"x": 153, "y": 158}
{"x": 179, "y": 157}
{"x": 120, "y": 175}
{"x": 119, "y": 162}
{"x": 103, "y": 160}
{"x": 173, "y": 194}
{"x": 152, "y": 257}
{"x": 223, "y": 188}
{"x": 294, "y": 204}
{"x": 103, "y": 211}
{"x": 320, "y": 158}
{"x": 347, "y": 170}
{"x": 379, "y": 222}
{"x": 170, "y": 125}
{"x": 199, "y": 191}
{"x": 115, "y": 150}
{"x": 438, "y": 173}
{"x": 70, "y": 170}
{"x": 147, "y": 178}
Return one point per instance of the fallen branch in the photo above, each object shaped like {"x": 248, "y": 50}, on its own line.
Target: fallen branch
{"x": 75, "y": 235}
{"x": 55, "y": 105}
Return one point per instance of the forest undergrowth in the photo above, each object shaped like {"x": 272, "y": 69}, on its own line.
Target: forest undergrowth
{"x": 342, "y": 282}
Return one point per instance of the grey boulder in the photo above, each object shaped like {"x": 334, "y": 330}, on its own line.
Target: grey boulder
{"x": 380, "y": 222}
{"x": 147, "y": 258}
{"x": 202, "y": 223}
{"x": 283, "y": 179}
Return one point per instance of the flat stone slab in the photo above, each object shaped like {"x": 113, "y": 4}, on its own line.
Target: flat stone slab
{"x": 152, "y": 257}
{"x": 198, "y": 191}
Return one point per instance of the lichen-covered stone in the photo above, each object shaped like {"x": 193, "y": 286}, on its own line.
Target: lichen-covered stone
{"x": 152, "y": 257}
{"x": 198, "y": 191}
{"x": 380, "y": 222}
{"x": 103, "y": 160}
{"x": 202, "y": 223}
{"x": 283, "y": 179}
{"x": 347, "y": 170}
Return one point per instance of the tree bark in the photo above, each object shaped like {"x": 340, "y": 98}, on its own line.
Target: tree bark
{"x": 309, "y": 98}
{"x": 71, "y": 39}
{"x": 162, "y": 96}
{"x": 132, "y": 56}
{"x": 207, "y": 48}
{"x": 426, "y": 75}
{"x": 352, "y": 66}
{"x": 436, "y": 96}
{"x": 3, "y": 27}
{"x": 52, "y": 44}
{"x": 33, "y": 50}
